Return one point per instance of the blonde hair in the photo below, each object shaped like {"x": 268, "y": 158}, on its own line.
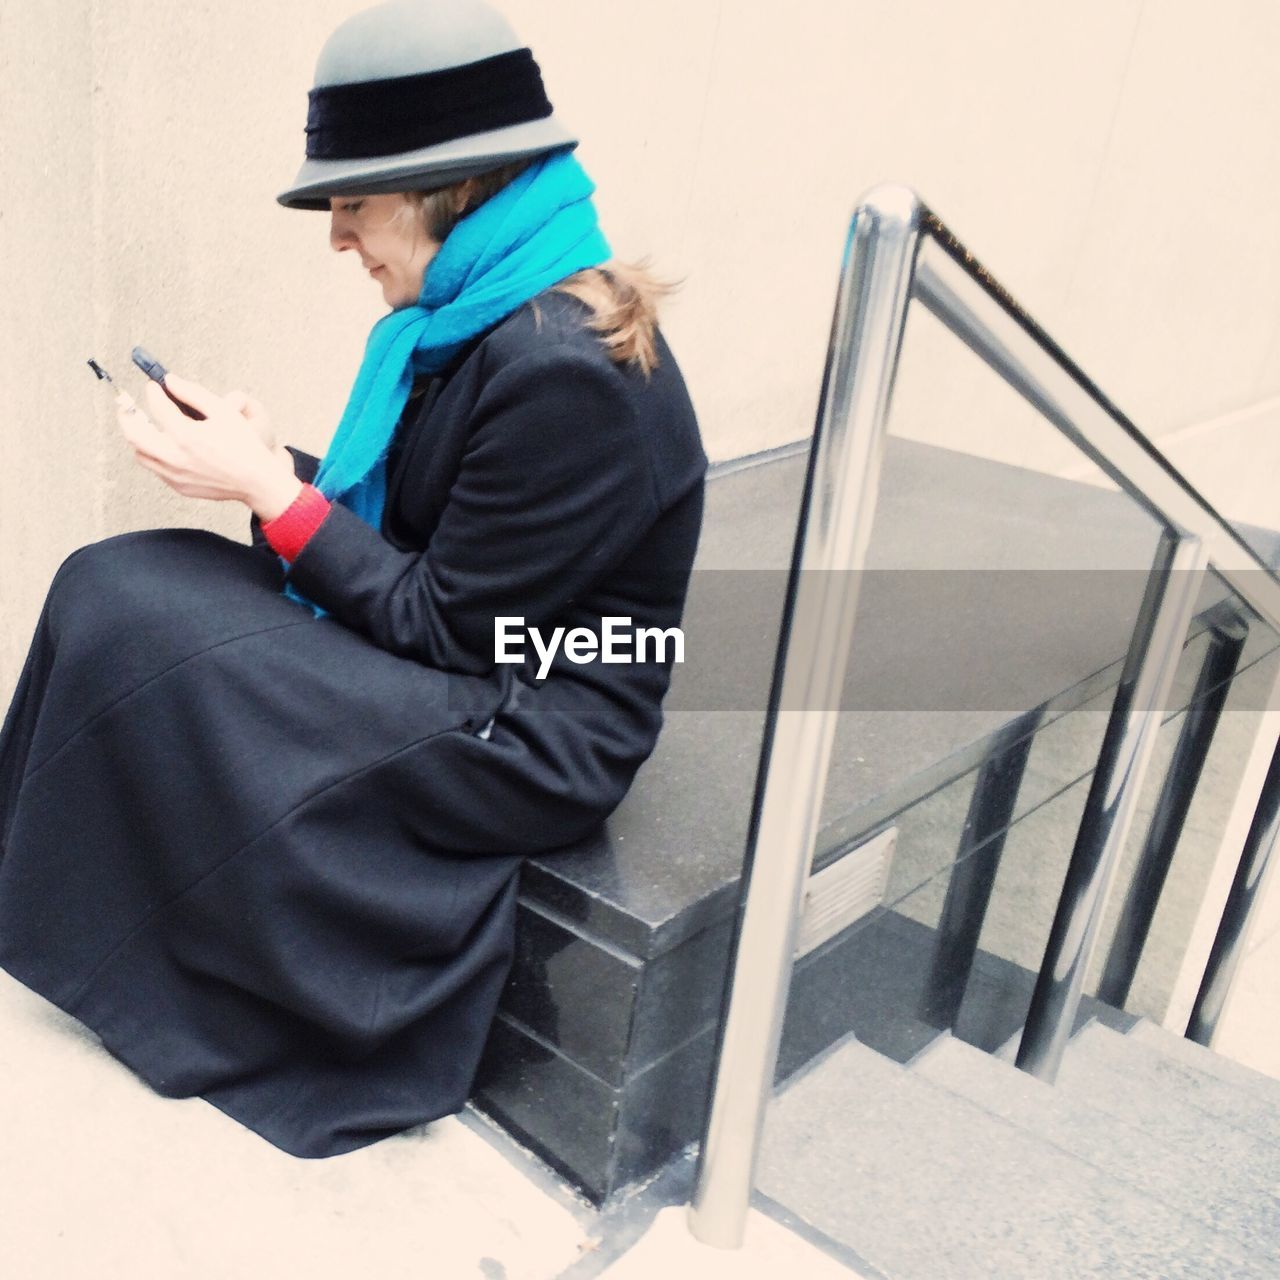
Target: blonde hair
{"x": 623, "y": 297}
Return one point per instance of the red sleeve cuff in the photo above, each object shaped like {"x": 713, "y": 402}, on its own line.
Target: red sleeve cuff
{"x": 289, "y": 531}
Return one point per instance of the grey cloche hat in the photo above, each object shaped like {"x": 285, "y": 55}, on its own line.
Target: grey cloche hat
{"x": 417, "y": 94}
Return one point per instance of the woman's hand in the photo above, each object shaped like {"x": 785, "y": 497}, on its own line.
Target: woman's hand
{"x": 257, "y": 417}
{"x": 230, "y": 455}
{"x": 254, "y": 414}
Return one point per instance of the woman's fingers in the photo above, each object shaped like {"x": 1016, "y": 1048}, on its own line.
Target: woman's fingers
{"x": 224, "y": 457}
{"x": 128, "y": 416}
{"x": 253, "y": 412}
{"x": 164, "y": 413}
{"x": 152, "y": 449}
{"x": 244, "y": 404}
{"x": 143, "y": 434}
{"x": 192, "y": 393}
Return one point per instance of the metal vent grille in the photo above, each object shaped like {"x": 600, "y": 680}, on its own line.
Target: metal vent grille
{"x": 845, "y": 891}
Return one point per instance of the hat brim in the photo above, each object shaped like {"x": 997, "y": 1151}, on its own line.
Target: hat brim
{"x": 426, "y": 169}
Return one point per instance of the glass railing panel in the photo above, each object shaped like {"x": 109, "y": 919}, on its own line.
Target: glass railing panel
{"x": 1232, "y": 464}
{"x": 993, "y": 622}
{"x": 993, "y": 586}
{"x": 895, "y": 984}
{"x": 1200, "y": 474}
{"x": 1210, "y": 833}
{"x": 885, "y": 979}
{"x": 996, "y": 606}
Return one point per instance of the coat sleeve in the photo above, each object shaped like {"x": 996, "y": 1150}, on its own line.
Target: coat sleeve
{"x": 305, "y": 466}
{"x": 554, "y": 488}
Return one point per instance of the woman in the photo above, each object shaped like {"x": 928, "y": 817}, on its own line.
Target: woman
{"x": 262, "y": 808}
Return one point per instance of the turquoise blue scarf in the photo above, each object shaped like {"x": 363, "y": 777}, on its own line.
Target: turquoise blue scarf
{"x": 540, "y": 228}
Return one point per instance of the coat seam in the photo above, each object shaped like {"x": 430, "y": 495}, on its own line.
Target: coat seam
{"x": 244, "y": 848}
{"x": 124, "y": 697}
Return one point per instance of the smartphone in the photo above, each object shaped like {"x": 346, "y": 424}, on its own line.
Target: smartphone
{"x": 156, "y": 372}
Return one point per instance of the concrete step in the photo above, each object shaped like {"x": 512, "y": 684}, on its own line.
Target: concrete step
{"x": 1156, "y": 1080}
{"x": 1195, "y": 1055}
{"x": 1124, "y": 1094}
{"x": 1239, "y": 1201}
{"x": 1090, "y": 1010}
{"x": 923, "y": 1183}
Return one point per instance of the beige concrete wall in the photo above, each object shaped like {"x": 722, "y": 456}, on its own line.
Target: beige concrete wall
{"x": 49, "y": 450}
{"x": 1111, "y": 161}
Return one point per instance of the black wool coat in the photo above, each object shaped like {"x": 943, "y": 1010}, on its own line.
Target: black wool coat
{"x": 270, "y": 859}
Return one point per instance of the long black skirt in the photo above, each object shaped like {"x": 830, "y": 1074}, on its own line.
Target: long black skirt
{"x": 235, "y": 842}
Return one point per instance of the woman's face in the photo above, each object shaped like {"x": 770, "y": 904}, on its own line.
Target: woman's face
{"x": 386, "y": 231}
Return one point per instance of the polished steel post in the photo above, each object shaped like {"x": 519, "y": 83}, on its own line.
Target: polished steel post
{"x": 1145, "y": 682}
{"x": 1228, "y": 944}
{"x": 1213, "y": 685}
{"x": 809, "y": 672}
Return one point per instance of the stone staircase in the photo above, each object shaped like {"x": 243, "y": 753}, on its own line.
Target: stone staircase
{"x": 1149, "y": 1157}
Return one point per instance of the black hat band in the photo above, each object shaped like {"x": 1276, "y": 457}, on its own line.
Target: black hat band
{"x": 407, "y": 113}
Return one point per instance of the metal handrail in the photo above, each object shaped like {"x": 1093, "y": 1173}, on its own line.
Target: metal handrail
{"x": 997, "y": 329}
{"x": 898, "y": 249}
